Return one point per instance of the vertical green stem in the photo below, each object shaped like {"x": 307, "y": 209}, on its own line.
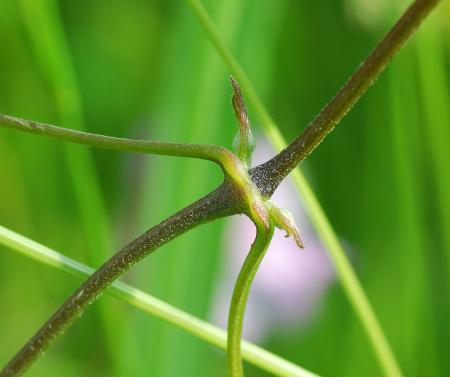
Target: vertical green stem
{"x": 240, "y": 296}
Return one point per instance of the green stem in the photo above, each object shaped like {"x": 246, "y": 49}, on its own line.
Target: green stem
{"x": 153, "y": 306}
{"x": 240, "y": 295}
{"x": 210, "y": 152}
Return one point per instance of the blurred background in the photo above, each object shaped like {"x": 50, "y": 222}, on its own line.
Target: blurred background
{"x": 145, "y": 69}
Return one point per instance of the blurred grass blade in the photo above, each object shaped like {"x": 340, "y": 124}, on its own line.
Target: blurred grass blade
{"x": 48, "y": 40}
{"x": 435, "y": 91}
{"x": 408, "y": 196}
{"x": 436, "y": 100}
{"x": 153, "y": 306}
{"x": 44, "y": 25}
{"x": 348, "y": 278}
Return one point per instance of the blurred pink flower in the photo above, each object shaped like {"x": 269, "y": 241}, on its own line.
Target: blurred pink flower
{"x": 290, "y": 282}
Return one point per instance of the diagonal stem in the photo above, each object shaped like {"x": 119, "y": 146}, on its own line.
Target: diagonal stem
{"x": 217, "y": 204}
{"x": 366, "y": 74}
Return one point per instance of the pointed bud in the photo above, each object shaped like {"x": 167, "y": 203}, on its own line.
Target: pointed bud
{"x": 243, "y": 143}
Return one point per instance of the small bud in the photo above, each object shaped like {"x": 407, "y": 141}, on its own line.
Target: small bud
{"x": 284, "y": 220}
{"x": 243, "y": 143}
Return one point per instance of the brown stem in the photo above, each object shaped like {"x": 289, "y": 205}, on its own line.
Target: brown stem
{"x": 224, "y": 201}
{"x": 275, "y": 170}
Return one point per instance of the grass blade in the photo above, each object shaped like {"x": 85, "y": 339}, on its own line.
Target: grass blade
{"x": 153, "y": 306}
{"x": 48, "y": 39}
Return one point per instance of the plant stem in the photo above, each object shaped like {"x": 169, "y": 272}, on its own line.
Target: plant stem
{"x": 366, "y": 74}
{"x": 153, "y": 306}
{"x": 210, "y": 152}
{"x": 240, "y": 295}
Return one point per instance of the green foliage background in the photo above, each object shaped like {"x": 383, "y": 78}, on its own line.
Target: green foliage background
{"x": 146, "y": 70}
